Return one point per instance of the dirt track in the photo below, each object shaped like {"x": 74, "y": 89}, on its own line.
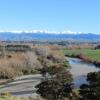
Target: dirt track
{"x": 22, "y": 86}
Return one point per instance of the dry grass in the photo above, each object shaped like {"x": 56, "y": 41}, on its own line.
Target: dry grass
{"x": 8, "y": 96}
{"x": 20, "y": 63}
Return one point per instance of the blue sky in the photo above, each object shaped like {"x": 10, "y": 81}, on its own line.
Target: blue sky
{"x": 51, "y": 15}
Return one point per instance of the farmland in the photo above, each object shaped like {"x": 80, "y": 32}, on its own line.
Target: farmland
{"x": 90, "y": 54}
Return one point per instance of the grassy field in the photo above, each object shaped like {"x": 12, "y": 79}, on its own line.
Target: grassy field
{"x": 8, "y": 96}
{"x": 15, "y": 98}
{"x": 88, "y": 53}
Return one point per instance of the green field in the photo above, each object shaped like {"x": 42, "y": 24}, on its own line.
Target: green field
{"x": 89, "y": 53}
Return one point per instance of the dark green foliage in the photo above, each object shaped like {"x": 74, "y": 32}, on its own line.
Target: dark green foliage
{"x": 53, "y": 90}
{"x": 18, "y": 48}
{"x": 91, "y": 91}
{"x": 29, "y": 71}
{"x": 66, "y": 64}
{"x": 56, "y": 83}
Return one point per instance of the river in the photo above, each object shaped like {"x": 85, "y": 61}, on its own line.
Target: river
{"x": 79, "y": 70}
{"x": 25, "y": 85}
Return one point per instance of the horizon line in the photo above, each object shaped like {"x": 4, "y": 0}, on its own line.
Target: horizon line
{"x": 43, "y": 31}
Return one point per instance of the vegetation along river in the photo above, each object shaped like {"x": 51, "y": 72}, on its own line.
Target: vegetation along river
{"x": 79, "y": 70}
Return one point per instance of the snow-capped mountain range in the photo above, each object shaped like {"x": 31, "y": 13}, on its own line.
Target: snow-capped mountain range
{"x": 22, "y": 36}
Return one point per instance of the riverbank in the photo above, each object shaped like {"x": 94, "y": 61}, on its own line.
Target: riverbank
{"x": 79, "y": 70}
{"x": 88, "y": 55}
{"x": 86, "y": 59}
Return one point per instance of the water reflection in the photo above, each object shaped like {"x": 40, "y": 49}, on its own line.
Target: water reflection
{"x": 80, "y": 69}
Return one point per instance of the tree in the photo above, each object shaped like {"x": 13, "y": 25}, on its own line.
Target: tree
{"x": 91, "y": 91}
{"x": 57, "y": 83}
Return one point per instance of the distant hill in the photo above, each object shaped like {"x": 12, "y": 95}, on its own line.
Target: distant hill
{"x": 9, "y": 36}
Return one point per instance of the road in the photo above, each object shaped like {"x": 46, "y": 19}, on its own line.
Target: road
{"x": 22, "y": 86}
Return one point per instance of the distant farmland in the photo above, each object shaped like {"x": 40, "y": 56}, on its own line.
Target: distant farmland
{"x": 93, "y": 55}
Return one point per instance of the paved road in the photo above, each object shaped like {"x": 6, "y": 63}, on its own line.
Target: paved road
{"x": 22, "y": 86}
